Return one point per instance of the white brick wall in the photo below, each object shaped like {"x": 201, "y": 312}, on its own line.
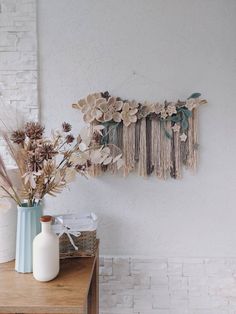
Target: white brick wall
{"x": 18, "y": 58}
{"x": 167, "y": 286}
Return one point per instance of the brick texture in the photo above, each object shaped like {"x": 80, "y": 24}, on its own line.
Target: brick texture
{"x": 18, "y": 59}
{"x": 167, "y": 286}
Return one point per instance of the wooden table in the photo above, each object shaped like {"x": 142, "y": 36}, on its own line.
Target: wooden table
{"x": 75, "y": 290}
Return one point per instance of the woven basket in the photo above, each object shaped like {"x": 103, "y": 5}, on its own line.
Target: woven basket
{"x": 86, "y": 244}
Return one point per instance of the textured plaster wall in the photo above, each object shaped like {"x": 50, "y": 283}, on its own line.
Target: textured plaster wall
{"x": 149, "y": 50}
{"x": 18, "y": 59}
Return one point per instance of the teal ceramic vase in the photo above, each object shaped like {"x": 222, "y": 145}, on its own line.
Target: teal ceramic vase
{"x": 28, "y": 226}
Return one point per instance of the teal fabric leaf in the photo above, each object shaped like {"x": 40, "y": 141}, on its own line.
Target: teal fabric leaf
{"x": 195, "y": 95}
{"x": 186, "y": 112}
{"x": 176, "y": 118}
{"x": 104, "y": 139}
{"x": 109, "y": 123}
{"x": 184, "y": 123}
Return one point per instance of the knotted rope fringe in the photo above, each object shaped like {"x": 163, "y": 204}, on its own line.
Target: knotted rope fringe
{"x": 152, "y": 145}
{"x": 129, "y": 148}
{"x": 142, "y": 164}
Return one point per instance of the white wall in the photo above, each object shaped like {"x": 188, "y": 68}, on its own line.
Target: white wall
{"x": 149, "y": 50}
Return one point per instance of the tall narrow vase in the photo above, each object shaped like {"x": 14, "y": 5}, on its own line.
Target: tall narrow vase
{"x": 28, "y": 226}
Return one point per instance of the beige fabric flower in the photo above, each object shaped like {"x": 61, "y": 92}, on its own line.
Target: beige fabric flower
{"x": 164, "y": 114}
{"x": 110, "y": 110}
{"x": 128, "y": 113}
{"x": 183, "y": 137}
{"x": 171, "y": 109}
{"x": 190, "y": 104}
{"x": 145, "y": 110}
{"x": 83, "y": 104}
{"x": 89, "y": 106}
{"x": 158, "y": 108}
{"x": 176, "y": 127}
{"x": 133, "y": 104}
{"x": 194, "y": 102}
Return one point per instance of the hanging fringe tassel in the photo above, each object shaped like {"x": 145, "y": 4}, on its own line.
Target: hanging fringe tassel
{"x": 113, "y": 139}
{"x": 137, "y": 140}
{"x": 120, "y": 136}
{"x": 125, "y": 150}
{"x": 149, "y": 146}
{"x": 189, "y": 142}
{"x": 176, "y": 156}
{"x": 195, "y": 138}
{"x": 94, "y": 170}
{"x": 129, "y": 148}
{"x": 166, "y": 148}
{"x": 154, "y": 150}
{"x": 157, "y": 151}
{"x": 142, "y": 165}
{"x": 184, "y": 153}
{"x": 132, "y": 146}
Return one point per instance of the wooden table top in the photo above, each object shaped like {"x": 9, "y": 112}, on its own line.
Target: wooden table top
{"x": 21, "y": 293}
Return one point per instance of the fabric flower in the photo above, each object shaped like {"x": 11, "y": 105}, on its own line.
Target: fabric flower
{"x": 83, "y": 104}
{"x": 158, "y": 108}
{"x": 90, "y": 107}
{"x": 128, "y": 113}
{"x": 79, "y": 159}
{"x": 176, "y": 127}
{"x": 110, "y": 109}
{"x": 183, "y": 137}
{"x": 164, "y": 114}
{"x": 98, "y": 156}
{"x": 133, "y": 104}
{"x": 190, "y": 104}
{"x": 194, "y": 102}
{"x": 171, "y": 109}
{"x": 145, "y": 110}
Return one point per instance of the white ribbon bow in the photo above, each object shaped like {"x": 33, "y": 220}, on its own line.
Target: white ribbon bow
{"x": 67, "y": 231}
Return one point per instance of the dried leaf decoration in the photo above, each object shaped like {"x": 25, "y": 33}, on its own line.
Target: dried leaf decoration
{"x": 48, "y": 165}
{"x": 155, "y": 138}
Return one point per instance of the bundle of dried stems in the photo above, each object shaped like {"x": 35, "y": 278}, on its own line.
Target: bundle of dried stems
{"x": 47, "y": 165}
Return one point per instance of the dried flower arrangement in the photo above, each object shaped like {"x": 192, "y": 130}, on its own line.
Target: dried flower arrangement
{"x": 154, "y": 137}
{"x": 47, "y": 165}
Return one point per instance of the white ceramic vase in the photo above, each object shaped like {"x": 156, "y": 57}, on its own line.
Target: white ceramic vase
{"x": 8, "y": 217}
{"x": 46, "y": 252}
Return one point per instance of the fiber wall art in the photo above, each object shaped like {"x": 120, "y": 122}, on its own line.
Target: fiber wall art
{"x": 154, "y": 138}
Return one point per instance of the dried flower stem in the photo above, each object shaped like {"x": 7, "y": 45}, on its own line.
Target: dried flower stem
{"x": 16, "y": 199}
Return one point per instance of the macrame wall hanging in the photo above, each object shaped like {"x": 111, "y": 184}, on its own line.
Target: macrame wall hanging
{"x": 155, "y": 138}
